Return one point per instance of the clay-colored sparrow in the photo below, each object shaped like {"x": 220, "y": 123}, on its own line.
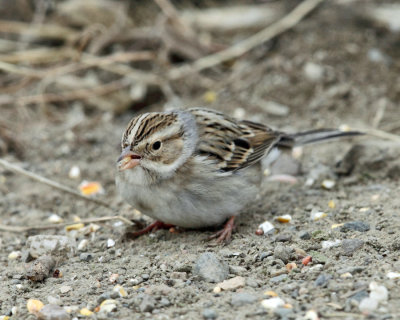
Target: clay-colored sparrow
{"x": 194, "y": 168}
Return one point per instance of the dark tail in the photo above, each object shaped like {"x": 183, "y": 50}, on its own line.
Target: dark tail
{"x": 312, "y": 136}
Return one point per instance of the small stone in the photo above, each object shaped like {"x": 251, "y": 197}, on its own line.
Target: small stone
{"x": 209, "y": 268}
{"x": 284, "y": 253}
{"x": 232, "y": 284}
{"x": 349, "y": 246}
{"x": 53, "y": 312}
{"x": 278, "y": 279}
{"x": 330, "y": 244}
{"x": 34, "y": 306}
{"x": 322, "y": 280}
{"x": 313, "y": 71}
{"x": 238, "y": 270}
{"x": 318, "y": 257}
{"x": 53, "y": 245}
{"x": 83, "y": 245}
{"x": 74, "y": 172}
{"x": 108, "y": 306}
{"x": 120, "y": 290}
{"x": 328, "y": 184}
{"x": 272, "y": 303}
{"x": 54, "y": 300}
{"x": 165, "y": 302}
{"x": 55, "y": 218}
{"x": 86, "y": 256}
{"x": 318, "y": 215}
{"x": 283, "y": 237}
{"x": 209, "y": 314}
{"x": 14, "y": 255}
{"x": 356, "y": 226}
{"x": 274, "y": 108}
{"x": 110, "y": 243}
{"x": 368, "y": 305}
{"x": 65, "y": 289}
{"x": 85, "y": 312}
{"x": 393, "y": 275}
{"x": 266, "y": 227}
{"x": 39, "y": 269}
{"x": 305, "y": 235}
{"x": 147, "y": 304}
{"x": 179, "y": 275}
{"x": 242, "y": 298}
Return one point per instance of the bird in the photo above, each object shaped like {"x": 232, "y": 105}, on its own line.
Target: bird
{"x": 198, "y": 168}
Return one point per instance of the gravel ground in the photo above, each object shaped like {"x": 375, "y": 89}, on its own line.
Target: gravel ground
{"x": 336, "y": 67}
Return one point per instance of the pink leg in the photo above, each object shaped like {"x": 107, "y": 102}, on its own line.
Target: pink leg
{"x": 156, "y": 225}
{"x": 225, "y": 234}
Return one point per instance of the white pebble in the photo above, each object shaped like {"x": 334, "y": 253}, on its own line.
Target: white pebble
{"x": 311, "y": 315}
{"x": 83, "y": 245}
{"x": 239, "y": 113}
{"x": 330, "y": 244}
{"x": 313, "y": 71}
{"x": 14, "y": 255}
{"x": 55, "y": 218}
{"x": 378, "y": 292}
{"x": 328, "y": 184}
{"x": 110, "y": 243}
{"x": 368, "y": 305}
{"x": 266, "y": 227}
{"x": 74, "y": 172}
{"x": 272, "y": 303}
{"x": 317, "y": 215}
{"x": 393, "y": 275}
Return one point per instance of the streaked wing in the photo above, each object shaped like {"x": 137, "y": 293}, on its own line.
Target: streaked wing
{"x": 232, "y": 144}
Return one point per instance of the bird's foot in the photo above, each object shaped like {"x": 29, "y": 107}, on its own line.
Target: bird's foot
{"x": 156, "y": 225}
{"x": 225, "y": 235}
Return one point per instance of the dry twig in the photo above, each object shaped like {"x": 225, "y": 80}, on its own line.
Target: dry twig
{"x": 50, "y": 183}
{"x": 235, "y": 51}
{"x": 60, "y": 225}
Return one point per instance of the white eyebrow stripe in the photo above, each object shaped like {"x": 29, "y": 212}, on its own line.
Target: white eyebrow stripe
{"x": 132, "y": 133}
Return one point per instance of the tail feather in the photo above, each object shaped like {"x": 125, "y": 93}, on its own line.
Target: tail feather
{"x": 313, "y": 136}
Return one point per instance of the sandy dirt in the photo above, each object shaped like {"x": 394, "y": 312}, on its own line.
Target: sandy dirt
{"x": 325, "y": 72}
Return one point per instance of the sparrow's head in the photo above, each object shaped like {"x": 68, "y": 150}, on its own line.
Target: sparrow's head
{"x": 158, "y": 142}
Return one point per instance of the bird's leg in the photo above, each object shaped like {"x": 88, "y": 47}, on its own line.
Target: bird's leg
{"x": 156, "y": 225}
{"x": 225, "y": 234}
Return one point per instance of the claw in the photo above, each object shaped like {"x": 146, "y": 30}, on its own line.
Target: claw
{"x": 156, "y": 225}
{"x": 225, "y": 235}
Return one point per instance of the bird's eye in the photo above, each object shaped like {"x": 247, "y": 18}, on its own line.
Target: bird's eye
{"x": 156, "y": 145}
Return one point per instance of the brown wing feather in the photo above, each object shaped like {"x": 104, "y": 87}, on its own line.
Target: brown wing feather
{"x": 232, "y": 144}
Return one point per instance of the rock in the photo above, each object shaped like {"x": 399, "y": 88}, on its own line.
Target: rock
{"x": 278, "y": 279}
{"x": 86, "y": 256}
{"x": 53, "y": 312}
{"x": 108, "y": 306}
{"x": 355, "y": 225}
{"x": 209, "y": 314}
{"x": 386, "y": 14}
{"x": 322, "y": 280}
{"x": 373, "y": 157}
{"x": 242, "y": 298}
{"x": 284, "y": 253}
{"x": 238, "y": 270}
{"x": 283, "y": 237}
{"x": 209, "y": 268}
{"x": 39, "y": 269}
{"x": 313, "y": 71}
{"x": 351, "y": 245}
{"x": 148, "y": 304}
{"x": 178, "y": 275}
{"x": 272, "y": 303}
{"x": 65, "y": 289}
{"x": 232, "y": 284}
{"x": 304, "y": 235}
{"x": 274, "y": 108}
{"x": 58, "y": 246}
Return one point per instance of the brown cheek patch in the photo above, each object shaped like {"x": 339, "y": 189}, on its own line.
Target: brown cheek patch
{"x": 172, "y": 151}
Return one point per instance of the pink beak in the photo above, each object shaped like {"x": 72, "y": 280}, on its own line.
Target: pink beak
{"x": 128, "y": 159}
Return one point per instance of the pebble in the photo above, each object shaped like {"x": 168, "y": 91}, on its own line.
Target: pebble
{"x": 305, "y": 235}
{"x": 356, "y": 226}
{"x": 14, "y": 255}
{"x": 209, "y": 268}
{"x": 120, "y": 290}
{"x": 238, "y": 270}
{"x": 232, "y": 284}
{"x": 53, "y": 312}
{"x": 274, "y": 108}
{"x": 147, "y": 304}
{"x": 108, "y": 306}
{"x": 110, "y": 243}
{"x": 331, "y": 244}
{"x": 86, "y": 256}
{"x": 39, "y": 269}
{"x": 65, "y": 289}
{"x": 393, "y": 275}
{"x": 83, "y": 245}
{"x": 318, "y": 215}
{"x": 284, "y": 253}
{"x": 266, "y": 227}
{"x": 53, "y": 245}
{"x": 242, "y": 298}
{"x": 55, "y": 218}
{"x": 278, "y": 279}
{"x": 178, "y": 275}
{"x": 74, "y": 172}
{"x": 272, "y": 303}
{"x": 349, "y": 246}
{"x": 34, "y": 306}
{"x": 283, "y": 237}
{"x": 54, "y": 300}
{"x": 313, "y": 71}
{"x": 322, "y": 280}
{"x": 209, "y": 314}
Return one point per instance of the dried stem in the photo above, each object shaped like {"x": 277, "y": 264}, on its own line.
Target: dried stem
{"x": 235, "y": 51}
{"x": 60, "y": 225}
{"x": 50, "y": 183}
